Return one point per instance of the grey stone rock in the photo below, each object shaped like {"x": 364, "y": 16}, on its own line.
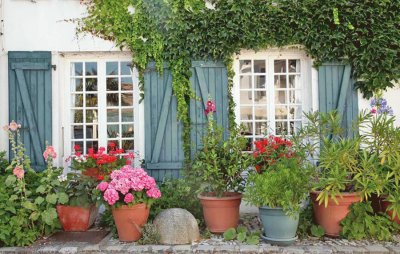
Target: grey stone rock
{"x": 176, "y": 226}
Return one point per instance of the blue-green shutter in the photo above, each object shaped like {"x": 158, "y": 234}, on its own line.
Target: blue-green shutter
{"x": 164, "y": 154}
{"x": 337, "y": 92}
{"x": 30, "y": 101}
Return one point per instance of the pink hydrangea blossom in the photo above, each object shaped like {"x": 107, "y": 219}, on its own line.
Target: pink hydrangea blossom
{"x": 49, "y": 153}
{"x": 111, "y": 196}
{"x": 129, "y": 198}
{"x": 19, "y": 172}
{"x": 153, "y": 193}
{"x": 102, "y": 186}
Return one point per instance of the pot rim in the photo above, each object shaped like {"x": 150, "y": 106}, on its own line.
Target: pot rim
{"x": 125, "y": 207}
{"x": 346, "y": 194}
{"x": 232, "y": 196}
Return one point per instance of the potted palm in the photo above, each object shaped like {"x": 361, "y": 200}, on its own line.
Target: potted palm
{"x": 219, "y": 166}
{"x": 77, "y": 210}
{"x": 278, "y": 186}
{"x": 129, "y": 192}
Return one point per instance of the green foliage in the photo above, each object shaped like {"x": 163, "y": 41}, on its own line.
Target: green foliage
{"x": 178, "y": 193}
{"x": 3, "y": 162}
{"x": 149, "y": 235}
{"x": 362, "y": 223}
{"x": 77, "y": 190}
{"x": 107, "y": 221}
{"x": 317, "y": 231}
{"x": 242, "y": 235}
{"x": 220, "y": 163}
{"x": 306, "y": 224}
{"x": 285, "y": 184}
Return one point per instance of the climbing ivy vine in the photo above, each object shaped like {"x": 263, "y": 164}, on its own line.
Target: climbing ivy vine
{"x": 363, "y": 33}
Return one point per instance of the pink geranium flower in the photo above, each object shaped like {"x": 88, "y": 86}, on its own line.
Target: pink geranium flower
{"x": 154, "y": 193}
{"x": 19, "y": 172}
{"x": 129, "y": 198}
{"x": 102, "y": 186}
{"x": 111, "y": 196}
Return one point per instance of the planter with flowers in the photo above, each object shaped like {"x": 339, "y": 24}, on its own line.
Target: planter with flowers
{"x": 98, "y": 164}
{"x": 219, "y": 166}
{"x": 130, "y": 193}
{"x": 80, "y": 211}
{"x": 278, "y": 186}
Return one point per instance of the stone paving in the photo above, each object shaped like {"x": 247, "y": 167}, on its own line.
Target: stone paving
{"x": 215, "y": 245}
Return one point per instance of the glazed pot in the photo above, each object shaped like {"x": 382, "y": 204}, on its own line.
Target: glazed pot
{"x": 221, "y": 213}
{"x": 279, "y": 228}
{"x": 130, "y": 221}
{"x": 329, "y": 217}
{"x": 74, "y": 218}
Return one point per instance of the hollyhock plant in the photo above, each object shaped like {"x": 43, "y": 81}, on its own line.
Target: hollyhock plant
{"x": 129, "y": 186}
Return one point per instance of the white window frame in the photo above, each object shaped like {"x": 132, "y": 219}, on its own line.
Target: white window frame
{"x": 101, "y": 59}
{"x": 309, "y": 79}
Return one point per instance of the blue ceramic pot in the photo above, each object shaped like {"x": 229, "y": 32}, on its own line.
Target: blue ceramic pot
{"x": 279, "y": 228}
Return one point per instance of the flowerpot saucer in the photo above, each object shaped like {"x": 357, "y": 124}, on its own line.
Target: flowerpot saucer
{"x": 279, "y": 241}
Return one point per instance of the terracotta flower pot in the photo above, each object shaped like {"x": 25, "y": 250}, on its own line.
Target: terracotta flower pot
{"x": 221, "y": 213}
{"x": 329, "y": 217}
{"x": 130, "y": 221}
{"x": 385, "y": 204}
{"x": 92, "y": 172}
{"x": 377, "y": 203}
{"x": 74, "y": 218}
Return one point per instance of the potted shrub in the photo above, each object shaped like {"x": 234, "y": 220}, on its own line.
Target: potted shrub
{"x": 77, "y": 211}
{"x": 219, "y": 166}
{"x": 278, "y": 186}
{"x": 129, "y": 192}
{"x": 98, "y": 164}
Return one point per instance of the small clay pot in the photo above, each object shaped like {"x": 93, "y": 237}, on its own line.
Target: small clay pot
{"x": 221, "y": 213}
{"x": 75, "y": 218}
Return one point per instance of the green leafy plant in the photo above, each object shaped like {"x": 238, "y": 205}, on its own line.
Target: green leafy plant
{"x": 362, "y": 223}
{"x": 317, "y": 231}
{"x": 149, "y": 235}
{"x": 220, "y": 163}
{"x": 77, "y": 190}
{"x": 242, "y": 235}
{"x": 3, "y": 162}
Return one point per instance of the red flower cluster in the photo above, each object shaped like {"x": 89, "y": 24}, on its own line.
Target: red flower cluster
{"x": 269, "y": 150}
{"x": 210, "y": 107}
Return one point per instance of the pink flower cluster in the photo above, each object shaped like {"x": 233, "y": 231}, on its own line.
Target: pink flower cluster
{"x": 19, "y": 172}
{"x": 13, "y": 126}
{"x": 49, "y": 153}
{"x": 125, "y": 181}
{"x": 210, "y": 107}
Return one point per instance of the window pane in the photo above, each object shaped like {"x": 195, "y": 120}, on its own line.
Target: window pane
{"x": 281, "y": 112}
{"x": 76, "y": 85}
{"x": 295, "y": 96}
{"x": 113, "y": 131}
{"x": 77, "y": 132}
{"x": 112, "y": 99}
{"x": 247, "y": 128}
{"x": 91, "y": 100}
{"x": 295, "y": 112}
{"x": 281, "y": 128}
{"x": 91, "y": 68}
{"x": 112, "y": 84}
{"x": 245, "y": 82}
{"x": 77, "y": 100}
{"x": 280, "y": 81}
{"x": 79, "y": 143}
{"x": 125, "y": 68}
{"x": 246, "y": 113}
{"x": 260, "y": 82}
{"x": 294, "y": 81}
{"x": 76, "y": 69}
{"x": 91, "y": 116}
{"x": 127, "y": 115}
{"x": 127, "y": 130}
{"x": 91, "y": 84}
{"x": 112, "y": 115}
{"x": 92, "y": 144}
{"x": 127, "y": 145}
{"x": 245, "y": 66}
{"x": 259, "y": 66}
{"x": 280, "y": 66}
{"x": 92, "y": 132}
{"x": 260, "y": 113}
{"x": 261, "y": 128}
{"x": 246, "y": 97}
{"x": 260, "y": 97}
{"x": 127, "y": 99}
{"x": 294, "y": 65}
{"x": 280, "y": 97}
{"x": 112, "y": 68}
{"x": 294, "y": 127}
{"x": 77, "y": 116}
{"x": 126, "y": 84}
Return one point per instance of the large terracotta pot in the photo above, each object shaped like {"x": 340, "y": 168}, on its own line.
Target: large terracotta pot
{"x": 329, "y": 217}
{"x": 385, "y": 205}
{"x": 130, "y": 221}
{"x": 221, "y": 213}
{"x": 74, "y": 218}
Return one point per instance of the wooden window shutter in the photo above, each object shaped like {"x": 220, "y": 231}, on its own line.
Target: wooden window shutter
{"x": 30, "y": 101}
{"x": 164, "y": 154}
{"x": 337, "y": 92}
